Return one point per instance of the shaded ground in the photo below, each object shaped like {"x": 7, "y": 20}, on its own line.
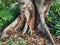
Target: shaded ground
{"x": 37, "y": 38}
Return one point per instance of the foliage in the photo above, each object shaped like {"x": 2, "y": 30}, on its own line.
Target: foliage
{"x": 7, "y": 15}
{"x": 16, "y": 41}
{"x": 7, "y": 3}
{"x": 53, "y": 20}
{"x": 14, "y": 9}
{"x": 4, "y": 18}
{"x": 2, "y": 5}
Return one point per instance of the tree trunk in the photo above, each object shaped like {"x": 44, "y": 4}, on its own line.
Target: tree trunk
{"x": 30, "y": 17}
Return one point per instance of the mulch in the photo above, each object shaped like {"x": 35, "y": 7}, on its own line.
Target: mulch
{"x": 37, "y": 38}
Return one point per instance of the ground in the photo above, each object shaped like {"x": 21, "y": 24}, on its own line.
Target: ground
{"x": 37, "y": 38}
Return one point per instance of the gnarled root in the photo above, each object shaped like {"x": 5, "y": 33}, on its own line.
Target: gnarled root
{"x": 13, "y": 26}
{"x": 32, "y": 24}
{"x": 20, "y": 23}
{"x": 25, "y": 28}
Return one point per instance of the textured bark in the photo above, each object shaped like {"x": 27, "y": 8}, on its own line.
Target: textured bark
{"x": 43, "y": 8}
{"x": 28, "y": 15}
{"x": 9, "y": 27}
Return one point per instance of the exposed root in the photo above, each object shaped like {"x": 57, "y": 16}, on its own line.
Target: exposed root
{"x": 31, "y": 24}
{"x": 30, "y": 32}
{"x": 28, "y": 15}
{"x": 13, "y": 26}
{"x": 49, "y": 34}
{"x": 20, "y": 23}
{"x": 25, "y": 28}
{"x": 10, "y": 27}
